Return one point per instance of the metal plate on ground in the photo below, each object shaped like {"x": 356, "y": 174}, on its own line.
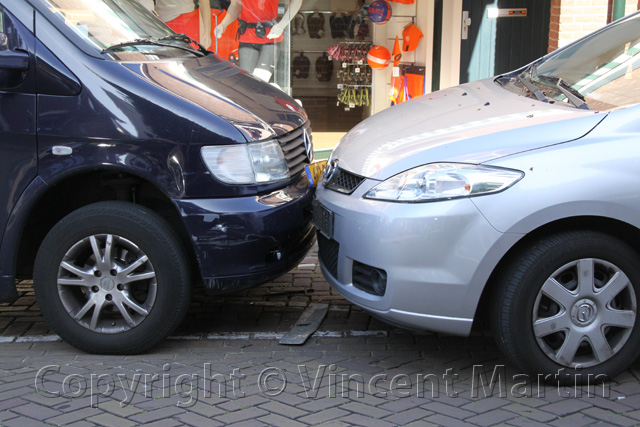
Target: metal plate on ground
{"x": 306, "y": 325}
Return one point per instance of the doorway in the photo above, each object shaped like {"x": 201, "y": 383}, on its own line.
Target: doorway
{"x": 503, "y": 35}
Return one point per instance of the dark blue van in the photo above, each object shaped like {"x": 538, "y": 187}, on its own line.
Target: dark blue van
{"x": 136, "y": 163}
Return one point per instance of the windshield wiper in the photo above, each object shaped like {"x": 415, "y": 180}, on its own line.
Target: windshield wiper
{"x": 151, "y": 42}
{"x": 532, "y": 69}
{"x": 528, "y": 83}
{"x": 185, "y": 38}
{"x": 575, "y": 97}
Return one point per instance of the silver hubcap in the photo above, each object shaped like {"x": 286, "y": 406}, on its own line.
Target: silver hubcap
{"x": 106, "y": 283}
{"x": 584, "y": 313}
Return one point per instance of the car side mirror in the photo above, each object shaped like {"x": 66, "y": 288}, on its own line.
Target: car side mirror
{"x": 14, "y": 60}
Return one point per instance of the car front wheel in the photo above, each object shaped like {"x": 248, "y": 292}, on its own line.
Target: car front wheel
{"x": 567, "y": 307}
{"x": 112, "y": 277}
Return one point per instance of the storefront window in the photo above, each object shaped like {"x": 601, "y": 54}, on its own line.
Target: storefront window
{"x": 330, "y": 74}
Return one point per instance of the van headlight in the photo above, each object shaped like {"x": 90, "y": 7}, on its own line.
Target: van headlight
{"x": 254, "y": 163}
{"x": 441, "y": 181}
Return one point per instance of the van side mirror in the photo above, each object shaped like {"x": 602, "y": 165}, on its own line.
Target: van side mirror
{"x": 14, "y": 60}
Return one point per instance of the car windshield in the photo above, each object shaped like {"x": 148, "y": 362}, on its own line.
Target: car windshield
{"x": 122, "y": 28}
{"x": 601, "y": 71}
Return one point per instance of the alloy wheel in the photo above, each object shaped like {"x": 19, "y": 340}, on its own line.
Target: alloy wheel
{"x": 106, "y": 283}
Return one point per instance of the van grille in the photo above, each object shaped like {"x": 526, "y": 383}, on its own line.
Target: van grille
{"x": 344, "y": 182}
{"x": 295, "y": 151}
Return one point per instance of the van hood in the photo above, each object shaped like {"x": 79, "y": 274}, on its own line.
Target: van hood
{"x": 471, "y": 123}
{"x": 257, "y": 109}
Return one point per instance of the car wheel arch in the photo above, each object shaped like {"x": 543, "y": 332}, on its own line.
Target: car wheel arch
{"x": 568, "y": 307}
{"x": 616, "y": 228}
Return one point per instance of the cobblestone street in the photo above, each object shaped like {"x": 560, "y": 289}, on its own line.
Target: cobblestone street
{"x": 224, "y": 366}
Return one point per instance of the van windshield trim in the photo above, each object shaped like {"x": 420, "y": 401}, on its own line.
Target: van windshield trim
{"x": 152, "y": 42}
{"x": 137, "y": 23}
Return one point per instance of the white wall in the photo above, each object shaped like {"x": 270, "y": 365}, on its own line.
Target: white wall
{"x": 451, "y": 40}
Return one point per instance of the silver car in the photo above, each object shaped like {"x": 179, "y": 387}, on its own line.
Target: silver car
{"x": 516, "y": 198}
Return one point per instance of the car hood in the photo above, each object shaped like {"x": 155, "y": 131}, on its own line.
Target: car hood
{"x": 259, "y": 110}
{"x": 471, "y": 123}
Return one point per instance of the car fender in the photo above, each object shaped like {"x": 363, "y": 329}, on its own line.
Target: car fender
{"x": 591, "y": 176}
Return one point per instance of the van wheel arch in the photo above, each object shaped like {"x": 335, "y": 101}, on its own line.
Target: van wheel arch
{"x": 112, "y": 278}
{"x": 63, "y": 198}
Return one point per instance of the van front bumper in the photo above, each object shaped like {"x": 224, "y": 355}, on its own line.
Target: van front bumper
{"x": 247, "y": 241}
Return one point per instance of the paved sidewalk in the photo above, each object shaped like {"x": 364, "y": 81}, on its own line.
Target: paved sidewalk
{"x": 224, "y": 366}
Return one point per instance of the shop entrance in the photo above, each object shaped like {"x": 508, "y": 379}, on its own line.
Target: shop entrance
{"x": 502, "y": 35}
{"x": 329, "y": 73}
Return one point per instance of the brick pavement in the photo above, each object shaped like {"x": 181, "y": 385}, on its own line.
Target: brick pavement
{"x": 210, "y": 374}
{"x": 273, "y": 307}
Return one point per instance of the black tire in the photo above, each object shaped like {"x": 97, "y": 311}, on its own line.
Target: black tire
{"x": 142, "y": 299}
{"x": 538, "y": 334}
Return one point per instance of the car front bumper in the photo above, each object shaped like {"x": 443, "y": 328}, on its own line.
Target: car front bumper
{"x": 247, "y": 241}
{"x": 437, "y": 257}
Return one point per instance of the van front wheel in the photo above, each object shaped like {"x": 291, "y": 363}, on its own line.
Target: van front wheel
{"x": 112, "y": 278}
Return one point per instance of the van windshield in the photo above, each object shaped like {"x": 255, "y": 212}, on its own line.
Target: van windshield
{"x": 123, "y": 28}
{"x": 601, "y": 72}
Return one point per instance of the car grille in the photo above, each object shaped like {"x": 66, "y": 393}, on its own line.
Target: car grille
{"x": 328, "y": 253}
{"x": 344, "y": 182}
{"x": 369, "y": 279}
{"x": 294, "y": 149}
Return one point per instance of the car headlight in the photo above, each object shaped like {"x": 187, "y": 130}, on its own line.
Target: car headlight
{"x": 441, "y": 181}
{"x": 255, "y": 163}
